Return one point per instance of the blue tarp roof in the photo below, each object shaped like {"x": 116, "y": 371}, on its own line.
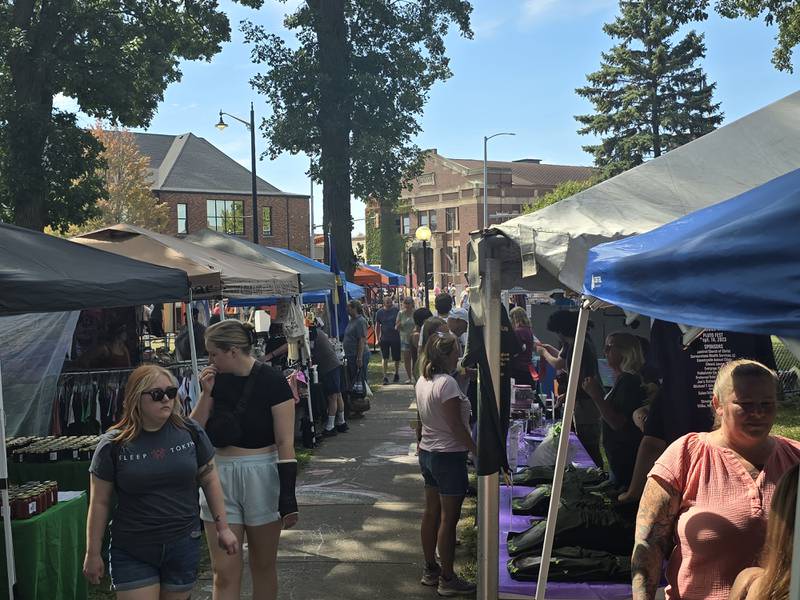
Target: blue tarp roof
{"x": 318, "y": 297}
{"x": 394, "y": 278}
{"x": 733, "y": 266}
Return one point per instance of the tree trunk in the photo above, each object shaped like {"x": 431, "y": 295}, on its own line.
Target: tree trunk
{"x": 29, "y": 116}
{"x": 334, "y": 124}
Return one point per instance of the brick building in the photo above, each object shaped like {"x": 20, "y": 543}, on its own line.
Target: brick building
{"x": 204, "y": 187}
{"x": 448, "y": 197}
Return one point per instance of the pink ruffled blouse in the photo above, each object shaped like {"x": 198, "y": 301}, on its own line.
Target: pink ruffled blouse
{"x": 722, "y": 520}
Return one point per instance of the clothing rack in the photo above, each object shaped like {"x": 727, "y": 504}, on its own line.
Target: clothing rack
{"x": 88, "y": 401}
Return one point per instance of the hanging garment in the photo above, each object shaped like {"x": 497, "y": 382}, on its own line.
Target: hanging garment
{"x": 572, "y": 563}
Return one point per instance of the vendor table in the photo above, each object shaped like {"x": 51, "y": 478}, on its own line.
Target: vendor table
{"x": 508, "y": 587}
{"x": 70, "y": 475}
{"x": 49, "y": 550}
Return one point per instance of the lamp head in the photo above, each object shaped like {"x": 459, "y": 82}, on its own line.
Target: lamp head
{"x": 423, "y": 233}
{"x": 222, "y": 124}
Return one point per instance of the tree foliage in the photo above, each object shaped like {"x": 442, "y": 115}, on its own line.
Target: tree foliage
{"x": 650, "y": 95}
{"x": 783, "y": 13}
{"x": 351, "y": 91}
{"x": 561, "y": 191}
{"x": 126, "y": 178}
{"x": 116, "y": 58}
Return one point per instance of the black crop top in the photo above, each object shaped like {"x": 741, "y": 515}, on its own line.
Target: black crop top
{"x": 270, "y": 389}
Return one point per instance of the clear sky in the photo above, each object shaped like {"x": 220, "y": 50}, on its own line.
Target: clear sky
{"x": 518, "y": 74}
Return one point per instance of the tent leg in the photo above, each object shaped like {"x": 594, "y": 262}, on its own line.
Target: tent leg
{"x": 193, "y": 349}
{"x": 563, "y": 445}
{"x": 9, "y": 542}
{"x": 489, "y": 485}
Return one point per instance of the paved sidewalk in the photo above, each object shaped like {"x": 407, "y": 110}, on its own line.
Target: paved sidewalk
{"x": 360, "y": 507}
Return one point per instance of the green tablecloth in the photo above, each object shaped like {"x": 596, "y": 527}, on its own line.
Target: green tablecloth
{"x": 49, "y": 550}
{"x": 70, "y": 475}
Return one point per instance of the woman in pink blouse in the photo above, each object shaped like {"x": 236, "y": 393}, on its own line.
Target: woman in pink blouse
{"x": 705, "y": 505}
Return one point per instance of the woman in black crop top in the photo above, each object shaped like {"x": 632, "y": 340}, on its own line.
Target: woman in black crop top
{"x": 247, "y": 409}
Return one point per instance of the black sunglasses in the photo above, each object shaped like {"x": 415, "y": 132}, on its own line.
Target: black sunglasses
{"x": 158, "y": 395}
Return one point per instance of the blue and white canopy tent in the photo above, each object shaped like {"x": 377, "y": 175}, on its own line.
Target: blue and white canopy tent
{"x": 549, "y": 249}
{"x": 733, "y": 266}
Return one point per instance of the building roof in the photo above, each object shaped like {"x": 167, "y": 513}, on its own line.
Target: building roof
{"x": 187, "y": 163}
{"x": 530, "y": 173}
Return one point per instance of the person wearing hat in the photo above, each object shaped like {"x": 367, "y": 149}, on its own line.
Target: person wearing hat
{"x": 457, "y": 323}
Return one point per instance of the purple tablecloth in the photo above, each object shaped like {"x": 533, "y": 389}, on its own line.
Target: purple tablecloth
{"x": 511, "y": 522}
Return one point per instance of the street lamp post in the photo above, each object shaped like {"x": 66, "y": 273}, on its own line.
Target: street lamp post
{"x": 485, "y": 178}
{"x": 252, "y": 127}
{"x": 423, "y": 234}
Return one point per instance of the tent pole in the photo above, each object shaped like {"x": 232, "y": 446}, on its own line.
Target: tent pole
{"x": 563, "y": 445}
{"x": 9, "y": 542}
{"x": 489, "y": 485}
{"x": 193, "y": 349}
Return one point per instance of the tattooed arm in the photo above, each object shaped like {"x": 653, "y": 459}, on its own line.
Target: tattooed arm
{"x": 655, "y": 524}
{"x": 209, "y": 480}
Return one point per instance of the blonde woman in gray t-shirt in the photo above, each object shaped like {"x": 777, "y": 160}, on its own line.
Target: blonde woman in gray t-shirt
{"x": 155, "y": 459}
{"x": 444, "y": 416}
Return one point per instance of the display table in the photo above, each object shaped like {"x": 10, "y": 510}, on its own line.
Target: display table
{"x": 69, "y": 474}
{"x": 49, "y": 550}
{"x": 510, "y": 588}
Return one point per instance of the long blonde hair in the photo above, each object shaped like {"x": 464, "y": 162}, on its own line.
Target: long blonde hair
{"x": 777, "y": 557}
{"x": 437, "y": 349}
{"x": 142, "y": 379}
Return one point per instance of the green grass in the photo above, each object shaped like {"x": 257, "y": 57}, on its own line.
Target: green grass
{"x": 787, "y": 422}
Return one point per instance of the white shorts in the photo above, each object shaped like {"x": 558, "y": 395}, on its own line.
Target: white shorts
{"x": 251, "y": 487}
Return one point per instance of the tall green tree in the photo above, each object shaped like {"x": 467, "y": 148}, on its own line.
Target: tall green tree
{"x": 783, "y": 13}
{"x": 350, "y": 93}
{"x": 650, "y": 95}
{"x": 116, "y": 57}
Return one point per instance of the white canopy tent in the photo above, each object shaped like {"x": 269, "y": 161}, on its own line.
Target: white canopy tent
{"x": 549, "y": 249}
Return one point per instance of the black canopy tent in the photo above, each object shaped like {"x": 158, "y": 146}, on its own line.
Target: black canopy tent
{"x": 41, "y": 273}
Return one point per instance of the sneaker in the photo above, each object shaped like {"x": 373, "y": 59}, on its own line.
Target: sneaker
{"x": 328, "y": 432}
{"x": 454, "y": 587}
{"x": 396, "y": 378}
{"x": 408, "y": 382}
{"x": 385, "y": 380}
{"x": 430, "y": 576}
{"x": 342, "y": 427}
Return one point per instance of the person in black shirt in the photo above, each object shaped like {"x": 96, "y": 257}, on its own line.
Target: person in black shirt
{"x": 621, "y": 437}
{"x": 247, "y": 409}
{"x": 564, "y": 323}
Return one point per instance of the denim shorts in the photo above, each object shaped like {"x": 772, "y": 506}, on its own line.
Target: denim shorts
{"x": 446, "y": 471}
{"x": 251, "y": 487}
{"x": 172, "y": 565}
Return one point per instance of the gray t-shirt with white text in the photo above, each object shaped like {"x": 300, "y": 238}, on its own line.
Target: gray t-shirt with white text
{"x": 155, "y": 480}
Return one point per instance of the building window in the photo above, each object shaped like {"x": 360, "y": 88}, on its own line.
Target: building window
{"x": 406, "y": 224}
{"x": 182, "y": 219}
{"x": 428, "y": 217}
{"x": 398, "y": 223}
{"x": 451, "y": 262}
{"x": 266, "y": 221}
{"x": 451, "y": 219}
{"x": 226, "y": 216}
